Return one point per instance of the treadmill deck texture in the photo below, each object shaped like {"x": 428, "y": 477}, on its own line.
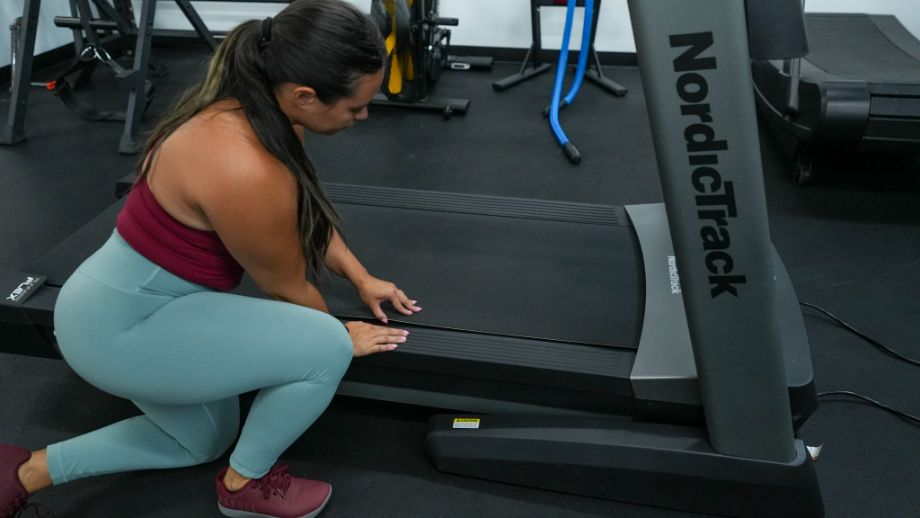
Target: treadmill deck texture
{"x": 871, "y": 48}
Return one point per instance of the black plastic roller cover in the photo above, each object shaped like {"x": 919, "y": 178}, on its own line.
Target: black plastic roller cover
{"x": 776, "y": 29}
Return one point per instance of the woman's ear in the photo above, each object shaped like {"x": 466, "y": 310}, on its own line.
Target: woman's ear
{"x": 304, "y": 96}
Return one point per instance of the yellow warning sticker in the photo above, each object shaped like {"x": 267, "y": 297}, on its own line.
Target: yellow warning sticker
{"x": 466, "y": 422}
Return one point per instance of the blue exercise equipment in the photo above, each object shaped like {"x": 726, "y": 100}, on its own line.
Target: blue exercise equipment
{"x": 571, "y": 152}
{"x": 589, "y": 64}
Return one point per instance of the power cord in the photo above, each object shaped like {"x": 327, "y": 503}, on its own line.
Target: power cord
{"x": 875, "y": 343}
{"x": 912, "y": 419}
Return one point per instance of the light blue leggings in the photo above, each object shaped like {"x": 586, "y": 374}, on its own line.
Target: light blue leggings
{"x": 183, "y": 353}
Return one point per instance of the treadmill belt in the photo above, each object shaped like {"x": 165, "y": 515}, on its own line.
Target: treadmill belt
{"x": 512, "y": 271}
{"x": 861, "y": 47}
{"x": 518, "y": 276}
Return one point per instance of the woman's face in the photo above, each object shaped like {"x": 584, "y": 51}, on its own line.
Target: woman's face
{"x": 329, "y": 119}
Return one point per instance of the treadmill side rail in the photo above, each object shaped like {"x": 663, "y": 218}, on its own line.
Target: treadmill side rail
{"x": 664, "y": 369}
{"x": 26, "y": 315}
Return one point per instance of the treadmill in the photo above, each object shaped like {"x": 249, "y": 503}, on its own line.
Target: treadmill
{"x": 858, "y": 88}
{"x": 531, "y": 306}
{"x": 648, "y": 353}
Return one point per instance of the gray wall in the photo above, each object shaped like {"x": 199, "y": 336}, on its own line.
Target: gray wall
{"x": 483, "y": 23}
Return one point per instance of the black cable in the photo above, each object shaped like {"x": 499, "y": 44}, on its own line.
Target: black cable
{"x": 912, "y": 419}
{"x": 862, "y": 335}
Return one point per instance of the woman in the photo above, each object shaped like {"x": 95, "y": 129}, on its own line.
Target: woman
{"x": 226, "y": 187}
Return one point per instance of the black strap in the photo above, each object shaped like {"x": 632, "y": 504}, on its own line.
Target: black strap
{"x": 90, "y": 57}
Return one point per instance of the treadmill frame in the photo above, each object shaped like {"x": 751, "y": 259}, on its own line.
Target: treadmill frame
{"x": 695, "y": 65}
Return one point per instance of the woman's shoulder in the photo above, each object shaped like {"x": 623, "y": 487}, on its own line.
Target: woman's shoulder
{"x": 219, "y": 133}
{"x": 219, "y": 144}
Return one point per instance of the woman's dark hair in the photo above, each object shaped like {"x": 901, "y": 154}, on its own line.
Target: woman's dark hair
{"x": 327, "y": 45}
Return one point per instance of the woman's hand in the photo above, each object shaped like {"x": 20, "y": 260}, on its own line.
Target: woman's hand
{"x": 369, "y": 339}
{"x": 374, "y": 291}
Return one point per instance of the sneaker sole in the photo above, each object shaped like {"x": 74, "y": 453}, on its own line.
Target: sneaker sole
{"x": 235, "y": 513}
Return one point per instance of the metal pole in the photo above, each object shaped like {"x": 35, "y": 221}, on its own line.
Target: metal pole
{"x": 13, "y": 132}
{"x": 15, "y": 31}
{"x": 137, "y": 99}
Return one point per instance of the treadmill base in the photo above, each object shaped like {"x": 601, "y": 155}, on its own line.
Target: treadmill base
{"x": 645, "y": 463}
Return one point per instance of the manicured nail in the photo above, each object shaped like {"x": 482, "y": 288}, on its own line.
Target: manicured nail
{"x": 391, "y": 347}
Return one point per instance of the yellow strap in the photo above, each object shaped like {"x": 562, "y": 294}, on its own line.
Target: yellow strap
{"x": 395, "y": 82}
{"x": 397, "y": 73}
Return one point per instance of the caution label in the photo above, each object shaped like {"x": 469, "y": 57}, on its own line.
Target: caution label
{"x": 466, "y": 422}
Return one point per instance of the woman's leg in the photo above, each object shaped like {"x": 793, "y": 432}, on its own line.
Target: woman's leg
{"x": 166, "y": 436}
{"x": 201, "y": 348}
{"x": 296, "y": 355}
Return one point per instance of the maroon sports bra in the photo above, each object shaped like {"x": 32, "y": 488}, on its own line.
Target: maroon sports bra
{"x": 195, "y": 255}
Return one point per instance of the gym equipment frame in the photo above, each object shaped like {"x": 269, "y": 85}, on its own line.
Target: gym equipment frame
{"x": 14, "y": 130}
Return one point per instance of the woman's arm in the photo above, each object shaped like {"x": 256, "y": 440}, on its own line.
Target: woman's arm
{"x": 373, "y": 291}
{"x": 252, "y": 203}
{"x": 343, "y": 263}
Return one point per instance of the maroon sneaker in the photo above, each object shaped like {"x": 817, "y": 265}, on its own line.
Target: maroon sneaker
{"x": 276, "y": 495}
{"x": 12, "y": 495}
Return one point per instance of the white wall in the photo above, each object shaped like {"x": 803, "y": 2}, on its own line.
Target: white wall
{"x": 48, "y": 37}
{"x": 506, "y": 23}
{"x": 483, "y": 23}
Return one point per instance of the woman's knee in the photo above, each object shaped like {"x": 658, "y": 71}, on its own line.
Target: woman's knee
{"x": 212, "y": 447}
{"x": 221, "y": 444}
{"x": 328, "y": 336}
{"x": 214, "y": 439}
{"x": 338, "y": 342}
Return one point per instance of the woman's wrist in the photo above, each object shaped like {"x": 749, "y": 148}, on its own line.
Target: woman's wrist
{"x": 358, "y": 279}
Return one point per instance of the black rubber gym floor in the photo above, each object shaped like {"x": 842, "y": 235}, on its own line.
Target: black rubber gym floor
{"x": 851, "y": 244}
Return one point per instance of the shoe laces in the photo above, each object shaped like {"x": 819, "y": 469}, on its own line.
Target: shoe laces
{"x": 276, "y": 482}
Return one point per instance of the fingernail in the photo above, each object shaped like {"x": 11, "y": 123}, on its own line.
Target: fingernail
{"x": 401, "y": 339}
{"x": 392, "y": 346}
{"x": 405, "y": 332}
